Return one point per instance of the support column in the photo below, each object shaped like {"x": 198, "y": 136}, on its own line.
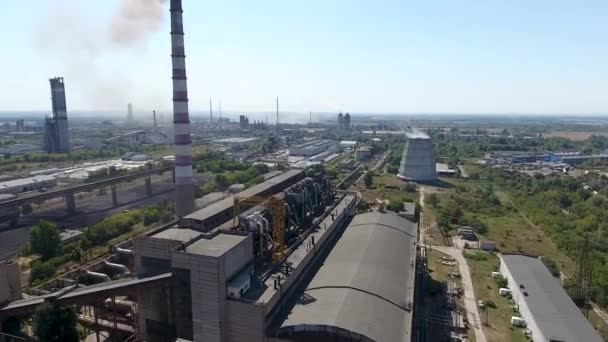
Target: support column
{"x": 96, "y": 324}
{"x": 148, "y": 186}
{"x": 114, "y": 196}
{"x": 173, "y": 174}
{"x": 70, "y": 203}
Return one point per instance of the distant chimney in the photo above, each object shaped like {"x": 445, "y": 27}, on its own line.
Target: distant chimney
{"x": 184, "y": 184}
{"x": 154, "y": 118}
{"x": 130, "y": 112}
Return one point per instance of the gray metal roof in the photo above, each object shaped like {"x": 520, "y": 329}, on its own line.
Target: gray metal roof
{"x": 178, "y": 234}
{"x": 555, "y": 315}
{"x": 228, "y": 202}
{"x": 216, "y": 246}
{"x": 365, "y": 286}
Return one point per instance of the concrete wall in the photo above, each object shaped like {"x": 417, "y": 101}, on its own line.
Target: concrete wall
{"x": 10, "y": 282}
{"x": 148, "y": 247}
{"x": 244, "y": 322}
{"x": 236, "y": 258}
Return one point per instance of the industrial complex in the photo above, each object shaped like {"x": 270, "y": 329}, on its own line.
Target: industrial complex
{"x": 188, "y": 228}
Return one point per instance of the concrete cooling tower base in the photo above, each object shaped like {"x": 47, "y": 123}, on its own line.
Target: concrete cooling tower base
{"x": 418, "y": 159}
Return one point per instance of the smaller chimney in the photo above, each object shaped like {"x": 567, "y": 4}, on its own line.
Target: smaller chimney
{"x": 211, "y": 110}
{"x": 154, "y": 118}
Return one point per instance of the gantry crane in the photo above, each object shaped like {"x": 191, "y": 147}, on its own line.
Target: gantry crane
{"x": 277, "y": 210}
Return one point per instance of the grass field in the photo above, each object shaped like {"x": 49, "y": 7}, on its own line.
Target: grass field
{"x": 498, "y": 326}
{"x": 384, "y": 189}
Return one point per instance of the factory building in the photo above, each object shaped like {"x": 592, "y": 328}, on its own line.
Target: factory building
{"x": 364, "y": 290}
{"x": 363, "y": 153}
{"x": 543, "y": 303}
{"x": 56, "y": 130}
{"x": 223, "y": 287}
{"x": 314, "y": 147}
{"x": 21, "y": 185}
{"x": 236, "y": 141}
{"x": 243, "y": 122}
{"x": 344, "y": 121}
{"x": 418, "y": 159}
{"x": 10, "y": 286}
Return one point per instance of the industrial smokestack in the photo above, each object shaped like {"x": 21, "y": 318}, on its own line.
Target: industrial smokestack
{"x": 184, "y": 184}
{"x": 130, "y": 112}
{"x": 277, "y": 113}
{"x": 211, "y": 110}
{"x": 154, "y": 118}
{"x": 60, "y": 131}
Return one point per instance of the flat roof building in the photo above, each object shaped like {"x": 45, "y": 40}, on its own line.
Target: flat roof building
{"x": 236, "y": 141}
{"x": 543, "y": 303}
{"x": 20, "y": 185}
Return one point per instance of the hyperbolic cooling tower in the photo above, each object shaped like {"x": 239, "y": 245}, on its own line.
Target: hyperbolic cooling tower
{"x": 418, "y": 159}
{"x": 184, "y": 184}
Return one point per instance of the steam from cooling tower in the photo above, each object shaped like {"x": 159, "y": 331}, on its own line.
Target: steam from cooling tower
{"x": 415, "y": 133}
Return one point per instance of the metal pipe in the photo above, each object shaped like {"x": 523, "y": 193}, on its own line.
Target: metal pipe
{"x": 122, "y": 268}
{"x": 97, "y": 275}
{"x": 184, "y": 183}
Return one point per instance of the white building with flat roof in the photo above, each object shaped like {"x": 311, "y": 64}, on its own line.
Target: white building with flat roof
{"x": 20, "y": 185}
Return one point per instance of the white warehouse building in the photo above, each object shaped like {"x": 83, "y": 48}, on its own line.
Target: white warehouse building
{"x": 314, "y": 147}
{"x": 20, "y": 185}
{"x": 543, "y": 303}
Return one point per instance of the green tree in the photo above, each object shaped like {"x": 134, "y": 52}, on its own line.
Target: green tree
{"x": 432, "y": 200}
{"x": 151, "y": 215}
{"x": 55, "y": 323}
{"x": 26, "y": 209}
{"x": 42, "y": 270}
{"x": 455, "y": 213}
{"x": 410, "y": 187}
{"x": 44, "y": 239}
{"x": 11, "y": 325}
{"x": 552, "y": 266}
{"x": 395, "y": 206}
{"x": 368, "y": 179}
{"x": 222, "y": 181}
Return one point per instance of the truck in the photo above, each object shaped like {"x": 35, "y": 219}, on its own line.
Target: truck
{"x": 518, "y": 322}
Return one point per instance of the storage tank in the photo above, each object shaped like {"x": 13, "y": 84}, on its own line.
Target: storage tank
{"x": 418, "y": 159}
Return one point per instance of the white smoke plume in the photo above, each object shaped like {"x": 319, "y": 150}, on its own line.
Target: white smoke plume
{"x": 70, "y": 32}
{"x": 135, "y": 19}
{"x": 416, "y": 133}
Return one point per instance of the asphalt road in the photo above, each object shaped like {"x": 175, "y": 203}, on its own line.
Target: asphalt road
{"x": 90, "y": 208}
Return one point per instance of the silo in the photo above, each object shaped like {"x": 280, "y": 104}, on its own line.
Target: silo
{"x": 418, "y": 159}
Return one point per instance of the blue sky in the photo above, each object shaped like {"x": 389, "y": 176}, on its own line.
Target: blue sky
{"x": 383, "y": 56}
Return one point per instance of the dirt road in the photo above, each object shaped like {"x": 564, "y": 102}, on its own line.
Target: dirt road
{"x": 470, "y": 303}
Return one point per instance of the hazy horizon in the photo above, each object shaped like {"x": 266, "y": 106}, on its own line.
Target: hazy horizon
{"x": 387, "y": 56}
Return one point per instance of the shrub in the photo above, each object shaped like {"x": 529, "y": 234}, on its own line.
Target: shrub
{"x": 410, "y": 187}
{"x": 489, "y": 304}
{"x": 42, "y": 270}
{"x": 552, "y": 266}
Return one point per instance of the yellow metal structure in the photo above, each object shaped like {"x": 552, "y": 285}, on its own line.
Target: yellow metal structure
{"x": 277, "y": 210}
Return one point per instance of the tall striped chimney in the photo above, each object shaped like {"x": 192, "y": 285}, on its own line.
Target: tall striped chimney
{"x": 184, "y": 184}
